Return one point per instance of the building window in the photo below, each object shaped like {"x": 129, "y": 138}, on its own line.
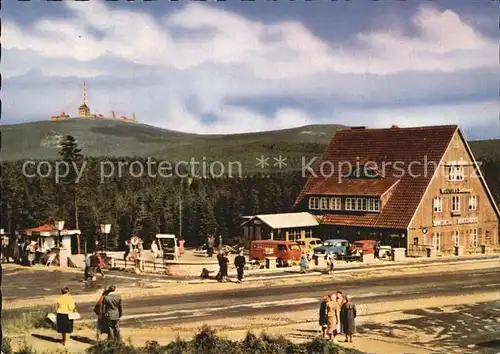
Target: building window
{"x": 473, "y": 202}
{"x": 456, "y": 173}
{"x": 436, "y": 241}
{"x": 324, "y": 204}
{"x": 293, "y": 236}
{"x": 335, "y": 204}
{"x": 438, "y": 204}
{"x": 314, "y": 203}
{"x": 362, "y": 204}
{"x": 456, "y": 238}
{"x": 473, "y": 238}
{"x": 455, "y": 204}
{"x": 309, "y": 233}
{"x": 373, "y": 205}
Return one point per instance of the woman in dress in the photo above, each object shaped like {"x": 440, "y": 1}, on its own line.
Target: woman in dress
{"x": 323, "y": 323}
{"x": 65, "y": 306}
{"x": 347, "y": 318}
{"x": 332, "y": 317}
{"x": 102, "y": 322}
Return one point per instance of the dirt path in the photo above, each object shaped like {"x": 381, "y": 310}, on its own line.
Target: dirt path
{"x": 385, "y": 329}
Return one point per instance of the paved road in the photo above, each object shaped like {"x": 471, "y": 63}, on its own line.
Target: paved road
{"x": 18, "y": 283}
{"x": 235, "y": 303}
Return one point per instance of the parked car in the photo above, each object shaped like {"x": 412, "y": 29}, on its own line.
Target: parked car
{"x": 337, "y": 247}
{"x": 285, "y": 252}
{"x": 309, "y": 244}
{"x": 365, "y": 246}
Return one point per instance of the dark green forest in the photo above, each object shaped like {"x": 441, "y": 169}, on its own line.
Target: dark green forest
{"x": 149, "y": 205}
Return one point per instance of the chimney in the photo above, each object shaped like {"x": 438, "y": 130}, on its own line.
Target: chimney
{"x": 113, "y": 113}
{"x": 394, "y": 126}
{"x": 133, "y": 117}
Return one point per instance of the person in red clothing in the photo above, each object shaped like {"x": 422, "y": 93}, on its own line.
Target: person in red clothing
{"x": 96, "y": 264}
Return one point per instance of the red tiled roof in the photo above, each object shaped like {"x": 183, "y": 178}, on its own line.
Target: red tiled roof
{"x": 352, "y": 186}
{"x": 424, "y": 146}
{"x": 368, "y": 219}
{"x": 41, "y": 228}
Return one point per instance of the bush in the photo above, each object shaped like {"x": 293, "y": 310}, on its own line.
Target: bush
{"x": 6, "y": 346}
{"x": 207, "y": 342}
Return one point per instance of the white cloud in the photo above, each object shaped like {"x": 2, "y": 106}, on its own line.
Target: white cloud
{"x": 234, "y": 57}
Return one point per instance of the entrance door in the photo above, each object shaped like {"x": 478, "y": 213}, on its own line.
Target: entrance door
{"x": 436, "y": 241}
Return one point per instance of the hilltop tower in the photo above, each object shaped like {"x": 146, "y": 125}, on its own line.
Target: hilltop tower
{"x": 84, "y": 110}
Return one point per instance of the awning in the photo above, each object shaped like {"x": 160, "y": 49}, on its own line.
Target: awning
{"x": 48, "y": 230}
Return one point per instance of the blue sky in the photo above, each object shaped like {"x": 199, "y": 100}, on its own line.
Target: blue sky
{"x": 236, "y": 66}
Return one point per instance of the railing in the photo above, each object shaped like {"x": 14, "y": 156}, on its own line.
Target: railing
{"x": 417, "y": 251}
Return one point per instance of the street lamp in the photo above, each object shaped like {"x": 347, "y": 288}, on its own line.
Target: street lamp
{"x": 105, "y": 229}
{"x": 59, "y": 227}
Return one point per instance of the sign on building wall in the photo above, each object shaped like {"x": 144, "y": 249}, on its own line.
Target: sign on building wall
{"x": 455, "y": 190}
{"x": 471, "y": 220}
{"x": 442, "y": 222}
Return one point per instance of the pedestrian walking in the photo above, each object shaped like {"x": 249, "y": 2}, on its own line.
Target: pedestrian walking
{"x": 87, "y": 274}
{"x": 210, "y": 246}
{"x": 347, "y": 318}
{"x": 96, "y": 264}
{"x": 65, "y": 307}
{"x": 340, "y": 299}
{"x": 303, "y": 263}
{"x": 376, "y": 250}
{"x": 239, "y": 263}
{"x": 332, "y": 317}
{"x": 102, "y": 321}
{"x": 330, "y": 261}
{"x": 112, "y": 310}
{"x": 224, "y": 267}
{"x": 323, "y": 322}
{"x": 154, "y": 250}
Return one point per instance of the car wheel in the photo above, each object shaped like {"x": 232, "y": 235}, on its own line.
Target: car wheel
{"x": 335, "y": 256}
{"x": 280, "y": 263}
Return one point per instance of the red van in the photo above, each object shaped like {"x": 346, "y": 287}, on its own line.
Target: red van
{"x": 367, "y": 246}
{"x": 285, "y": 252}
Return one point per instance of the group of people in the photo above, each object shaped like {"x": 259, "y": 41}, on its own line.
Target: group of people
{"x": 337, "y": 316}
{"x": 210, "y": 244}
{"x": 306, "y": 259}
{"x": 108, "y": 310}
{"x": 239, "y": 263}
{"x": 93, "y": 265}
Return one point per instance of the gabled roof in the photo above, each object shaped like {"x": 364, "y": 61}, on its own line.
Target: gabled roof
{"x": 286, "y": 220}
{"x": 48, "y": 230}
{"x": 391, "y": 150}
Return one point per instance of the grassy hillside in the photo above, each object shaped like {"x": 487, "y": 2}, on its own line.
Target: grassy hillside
{"x": 99, "y": 137}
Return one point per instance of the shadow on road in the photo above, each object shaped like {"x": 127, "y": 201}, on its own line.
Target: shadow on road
{"x": 46, "y": 338}
{"x": 84, "y": 340}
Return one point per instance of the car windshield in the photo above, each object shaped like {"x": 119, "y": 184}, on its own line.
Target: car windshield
{"x": 329, "y": 244}
{"x": 358, "y": 244}
{"x": 294, "y": 248}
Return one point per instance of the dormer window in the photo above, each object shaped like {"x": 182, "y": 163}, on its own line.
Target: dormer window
{"x": 314, "y": 203}
{"x": 362, "y": 204}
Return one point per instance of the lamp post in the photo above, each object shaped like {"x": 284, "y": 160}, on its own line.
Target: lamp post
{"x": 105, "y": 229}
{"x": 59, "y": 227}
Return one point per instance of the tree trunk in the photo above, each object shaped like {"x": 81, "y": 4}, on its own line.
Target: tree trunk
{"x": 76, "y": 223}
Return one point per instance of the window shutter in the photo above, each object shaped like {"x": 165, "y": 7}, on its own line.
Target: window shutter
{"x": 480, "y": 237}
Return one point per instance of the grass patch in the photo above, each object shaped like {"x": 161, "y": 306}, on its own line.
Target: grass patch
{"x": 27, "y": 320}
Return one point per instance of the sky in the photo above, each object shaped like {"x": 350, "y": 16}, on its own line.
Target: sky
{"x": 242, "y": 66}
